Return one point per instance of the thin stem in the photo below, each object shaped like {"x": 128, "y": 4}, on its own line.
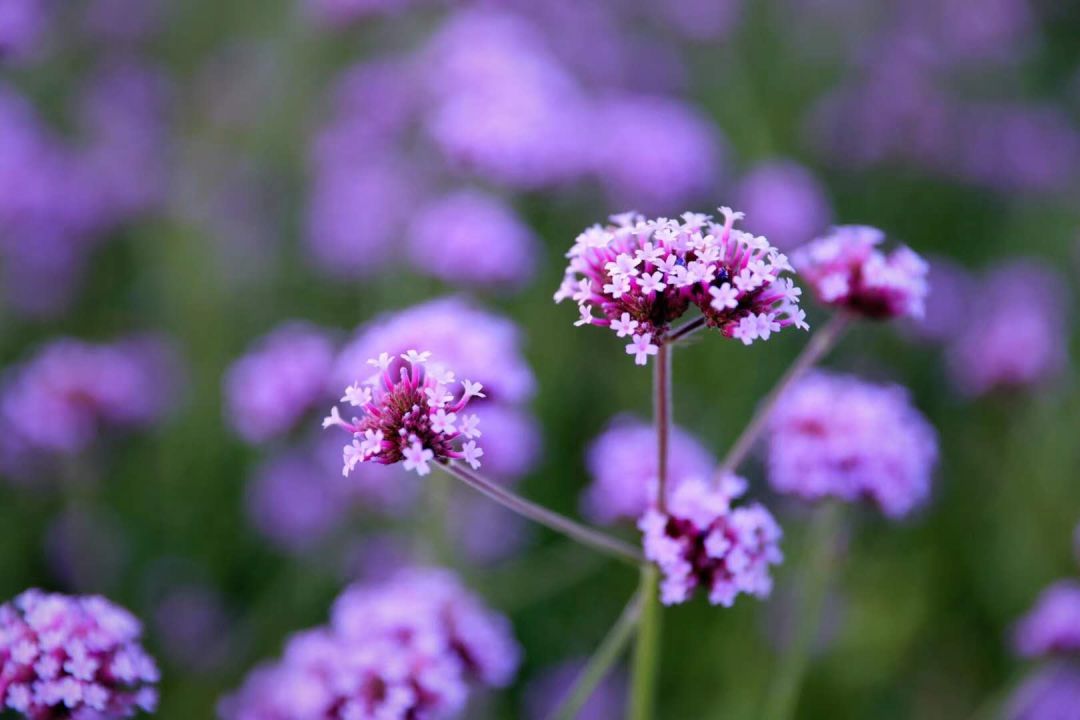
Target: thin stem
{"x": 686, "y": 330}
{"x": 553, "y": 520}
{"x": 820, "y": 344}
{"x": 662, "y": 419}
{"x": 820, "y": 551}
{"x": 601, "y": 662}
{"x": 647, "y": 650}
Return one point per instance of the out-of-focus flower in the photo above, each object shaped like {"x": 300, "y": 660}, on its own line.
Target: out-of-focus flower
{"x": 785, "y": 202}
{"x": 462, "y": 337}
{"x": 644, "y": 274}
{"x": 473, "y": 239}
{"x": 409, "y": 415}
{"x": 1016, "y": 336}
{"x": 949, "y": 298}
{"x": 78, "y": 657}
{"x": 700, "y": 19}
{"x": 124, "y": 21}
{"x": 1052, "y": 627}
{"x": 654, "y": 153}
{"x": 835, "y": 436}
{"x": 543, "y": 695}
{"x": 700, "y": 540}
{"x": 1051, "y": 693}
{"x": 847, "y": 270}
{"x": 271, "y": 387}
{"x": 23, "y": 24}
{"x": 483, "y": 531}
{"x": 622, "y": 465}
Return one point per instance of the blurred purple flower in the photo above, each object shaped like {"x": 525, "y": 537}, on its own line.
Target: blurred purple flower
{"x": 281, "y": 378}
{"x": 699, "y": 19}
{"x": 23, "y": 23}
{"x": 949, "y": 297}
{"x": 543, "y": 694}
{"x": 1051, "y": 693}
{"x": 835, "y": 436}
{"x": 469, "y": 238}
{"x": 622, "y": 466}
{"x": 784, "y": 202}
{"x": 1052, "y": 626}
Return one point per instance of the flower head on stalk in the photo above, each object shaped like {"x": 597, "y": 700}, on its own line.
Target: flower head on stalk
{"x": 409, "y": 415}
{"x": 701, "y": 540}
{"x": 641, "y": 275}
{"x": 847, "y": 270}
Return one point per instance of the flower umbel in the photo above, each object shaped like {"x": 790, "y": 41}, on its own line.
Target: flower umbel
{"x": 641, "y": 275}
{"x": 409, "y": 415}
{"x": 702, "y": 541}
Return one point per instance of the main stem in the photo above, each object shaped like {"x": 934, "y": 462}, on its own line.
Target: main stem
{"x": 537, "y": 513}
{"x": 820, "y": 344}
{"x": 821, "y": 548}
{"x": 601, "y": 662}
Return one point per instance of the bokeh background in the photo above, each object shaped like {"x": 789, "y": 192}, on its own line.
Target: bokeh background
{"x": 179, "y": 179}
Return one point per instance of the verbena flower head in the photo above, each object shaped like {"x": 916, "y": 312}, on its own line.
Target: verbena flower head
{"x": 410, "y": 415}
{"x": 702, "y": 541}
{"x": 73, "y": 657}
{"x": 622, "y": 465}
{"x": 835, "y": 436}
{"x": 846, "y": 269}
{"x": 1052, "y": 627}
{"x": 641, "y": 275}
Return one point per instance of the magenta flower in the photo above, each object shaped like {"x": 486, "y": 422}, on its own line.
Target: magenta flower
{"x": 641, "y": 275}
{"x": 701, "y": 541}
{"x": 409, "y": 416}
{"x": 1052, "y": 627}
{"x": 76, "y": 657}
{"x": 847, "y": 270}
{"x": 835, "y": 436}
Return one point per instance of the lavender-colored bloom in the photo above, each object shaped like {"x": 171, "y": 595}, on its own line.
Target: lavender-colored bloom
{"x": 700, "y": 19}
{"x": 1052, "y": 627}
{"x": 654, "y": 153}
{"x": 950, "y": 293}
{"x": 271, "y": 387}
{"x": 835, "y": 436}
{"x": 471, "y": 238}
{"x": 784, "y": 202}
{"x": 542, "y": 695}
{"x": 371, "y": 105}
{"x": 622, "y": 465}
{"x": 642, "y": 275}
{"x": 473, "y": 342}
{"x": 700, "y": 540}
{"x": 22, "y": 25}
{"x": 847, "y": 270}
{"x": 511, "y": 440}
{"x": 78, "y": 657}
{"x": 1051, "y": 693}
{"x": 1016, "y": 335}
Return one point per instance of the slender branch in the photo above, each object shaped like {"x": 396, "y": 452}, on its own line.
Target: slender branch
{"x": 647, "y": 650}
{"x": 601, "y": 662}
{"x": 559, "y": 523}
{"x": 820, "y": 344}
{"x": 686, "y": 330}
{"x": 783, "y": 697}
{"x": 662, "y": 418}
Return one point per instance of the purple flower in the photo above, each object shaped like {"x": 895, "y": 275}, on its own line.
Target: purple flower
{"x": 271, "y": 387}
{"x": 473, "y": 239}
{"x": 835, "y": 436}
{"x": 644, "y": 274}
{"x": 654, "y": 153}
{"x": 1052, "y": 627}
{"x": 785, "y": 203}
{"x": 461, "y": 336}
{"x": 1051, "y": 693}
{"x": 700, "y": 540}
{"x": 1015, "y": 335}
{"x": 542, "y": 695}
{"x": 700, "y": 19}
{"x": 950, "y": 292}
{"x": 622, "y": 466}
{"x": 63, "y": 656}
{"x": 409, "y": 414}
{"x": 846, "y": 269}
{"x": 22, "y": 25}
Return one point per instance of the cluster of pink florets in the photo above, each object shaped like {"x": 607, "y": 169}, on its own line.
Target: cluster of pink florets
{"x": 641, "y": 275}
{"x": 73, "y": 657}
{"x": 410, "y": 416}
{"x": 846, "y": 269}
{"x": 700, "y": 540}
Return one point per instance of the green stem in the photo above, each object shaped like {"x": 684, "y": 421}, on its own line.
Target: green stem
{"x": 647, "y": 650}
{"x": 601, "y": 662}
{"x": 820, "y": 551}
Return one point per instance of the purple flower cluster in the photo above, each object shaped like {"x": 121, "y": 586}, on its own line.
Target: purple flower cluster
{"x": 409, "y": 415}
{"x": 835, "y": 436}
{"x": 1051, "y": 693}
{"x": 73, "y": 657}
{"x": 700, "y": 540}
{"x": 22, "y": 26}
{"x": 408, "y": 648}
{"x": 644, "y": 274}
{"x": 283, "y": 377}
{"x": 1052, "y": 627}
{"x": 787, "y": 203}
{"x": 847, "y": 270}
{"x": 622, "y": 465}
